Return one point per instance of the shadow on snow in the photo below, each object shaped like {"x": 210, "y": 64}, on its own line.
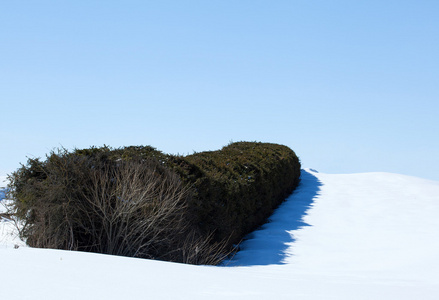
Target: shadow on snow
{"x": 267, "y": 245}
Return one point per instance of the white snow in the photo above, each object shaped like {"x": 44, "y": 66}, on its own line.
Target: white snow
{"x": 356, "y": 236}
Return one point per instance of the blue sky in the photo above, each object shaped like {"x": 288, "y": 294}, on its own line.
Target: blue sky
{"x": 350, "y": 86}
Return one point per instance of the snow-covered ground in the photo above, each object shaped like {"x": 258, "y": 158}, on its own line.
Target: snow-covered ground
{"x": 357, "y": 236}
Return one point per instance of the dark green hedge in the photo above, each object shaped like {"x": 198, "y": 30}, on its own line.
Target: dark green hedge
{"x": 238, "y": 187}
{"x": 230, "y": 192}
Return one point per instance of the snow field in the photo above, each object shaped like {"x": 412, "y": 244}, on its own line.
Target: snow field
{"x": 351, "y": 236}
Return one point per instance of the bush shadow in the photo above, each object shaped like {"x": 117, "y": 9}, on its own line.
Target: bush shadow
{"x": 268, "y": 244}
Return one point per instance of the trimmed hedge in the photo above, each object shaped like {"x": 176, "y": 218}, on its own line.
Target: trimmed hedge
{"x": 222, "y": 196}
{"x": 238, "y": 187}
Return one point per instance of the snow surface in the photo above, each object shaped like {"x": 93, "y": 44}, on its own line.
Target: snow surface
{"x": 356, "y": 236}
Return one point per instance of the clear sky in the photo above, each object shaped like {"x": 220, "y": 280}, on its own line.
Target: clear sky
{"x": 350, "y": 86}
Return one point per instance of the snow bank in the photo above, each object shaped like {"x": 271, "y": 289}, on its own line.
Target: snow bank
{"x": 375, "y": 223}
{"x": 360, "y": 236}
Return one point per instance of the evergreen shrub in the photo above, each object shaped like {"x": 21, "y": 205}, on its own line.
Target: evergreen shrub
{"x": 238, "y": 187}
{"x": 137, "y": 201}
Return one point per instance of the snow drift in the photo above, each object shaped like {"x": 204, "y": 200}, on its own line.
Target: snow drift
{"x": 356, "y": 236}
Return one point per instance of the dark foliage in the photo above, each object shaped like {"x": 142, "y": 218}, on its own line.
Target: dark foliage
{"x": 138, "y": 201}
{"x": 237, "y": 188}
